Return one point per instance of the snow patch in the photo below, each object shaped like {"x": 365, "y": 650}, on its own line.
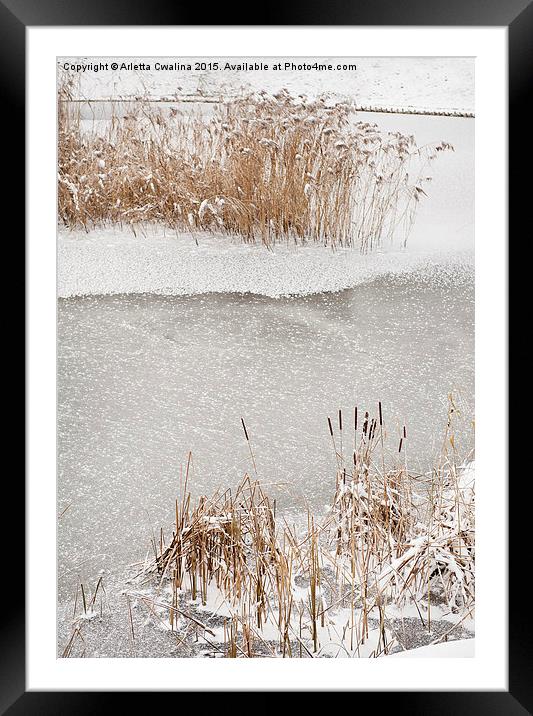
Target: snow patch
{"x": 114, "y": 261}
{"x": 459, "y": 649}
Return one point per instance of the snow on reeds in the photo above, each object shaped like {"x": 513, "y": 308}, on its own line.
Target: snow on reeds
{"x": 263, "y": 168}
{"x": 322, "y": 588}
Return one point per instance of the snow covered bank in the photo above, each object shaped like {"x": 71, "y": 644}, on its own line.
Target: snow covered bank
{"x": 112, "y": 262}
{"x": 434, "y": 83}
{"x": 459, "y": 649}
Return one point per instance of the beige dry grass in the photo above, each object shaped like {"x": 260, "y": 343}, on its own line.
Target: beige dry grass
{"x": 262, "y": 168}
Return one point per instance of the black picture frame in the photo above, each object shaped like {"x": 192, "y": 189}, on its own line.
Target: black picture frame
{"x": 15, "y": 17}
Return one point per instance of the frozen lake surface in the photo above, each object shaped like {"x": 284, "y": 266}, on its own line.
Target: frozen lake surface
{"x": 144, "y": 379}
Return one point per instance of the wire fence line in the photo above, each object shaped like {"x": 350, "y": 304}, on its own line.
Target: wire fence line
{"x": 205, "y": 99}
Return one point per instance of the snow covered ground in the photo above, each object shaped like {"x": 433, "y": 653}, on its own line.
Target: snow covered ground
{"x": 459, "y": 649}
{"x": 106, "y": 631}
{"x": 432, "y": 83}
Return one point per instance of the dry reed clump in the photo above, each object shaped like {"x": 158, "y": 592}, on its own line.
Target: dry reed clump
{"x": 323, "y": 589}
{"x": 397, "y": 544}
{"x": 263, "y": 168}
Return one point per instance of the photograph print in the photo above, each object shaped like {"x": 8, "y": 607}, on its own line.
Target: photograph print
{"x": 265, "y": 351}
